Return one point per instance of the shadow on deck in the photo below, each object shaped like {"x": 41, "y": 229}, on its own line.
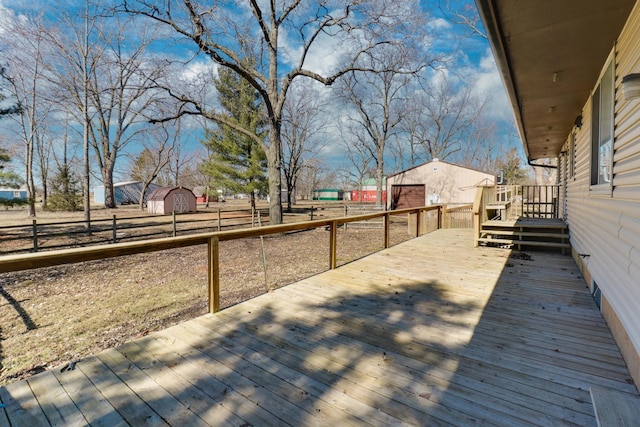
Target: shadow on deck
{"x": 430, "y": 332}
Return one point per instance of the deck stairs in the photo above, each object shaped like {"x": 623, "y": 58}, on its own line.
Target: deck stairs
{"x": 526, "y": 233}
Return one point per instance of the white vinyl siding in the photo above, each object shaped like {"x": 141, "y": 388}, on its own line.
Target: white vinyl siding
{"x": 605, "y": 226}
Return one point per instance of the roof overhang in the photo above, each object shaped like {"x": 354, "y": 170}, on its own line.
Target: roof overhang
{"x": 550, "y": 54}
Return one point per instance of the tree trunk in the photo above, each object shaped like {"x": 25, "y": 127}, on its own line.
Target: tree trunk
{"x": 379, "y": 178}
{"x": 275, "y": 179}
{"x": 109, "y": 196}
{"x": 31, "y": 188}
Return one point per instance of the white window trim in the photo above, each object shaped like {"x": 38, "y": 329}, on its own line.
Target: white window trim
{"x": 606, "y": 188}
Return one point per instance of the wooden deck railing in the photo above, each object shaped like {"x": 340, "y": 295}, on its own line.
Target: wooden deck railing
{"x": 510, "y": 202}
{"x": 12, "y": 263}
{"x": 458, "y": 217}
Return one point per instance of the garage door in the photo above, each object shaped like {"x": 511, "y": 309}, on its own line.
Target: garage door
{"x": 407, "y": 196}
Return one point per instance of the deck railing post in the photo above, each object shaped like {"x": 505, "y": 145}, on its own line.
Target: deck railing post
{"x": 219, "y": 221}
{"x": 418, "y": 221}
{"x": 213, "y": 274}
{"x": 439, "y": 217}
{"x": 387, "y": 226}
{"x": 333, "y": 242}
{"x": 35, "y": 236}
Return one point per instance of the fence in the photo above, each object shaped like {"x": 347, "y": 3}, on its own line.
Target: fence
{"x": 20, "y": 262}
{"x": 58, "y": 235}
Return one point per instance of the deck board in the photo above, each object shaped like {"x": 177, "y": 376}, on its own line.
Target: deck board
{"x": 430, "y": 332}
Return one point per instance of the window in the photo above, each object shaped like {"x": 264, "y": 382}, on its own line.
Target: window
{"x": 602, "y": 129}
{"x": 571, "y": 161}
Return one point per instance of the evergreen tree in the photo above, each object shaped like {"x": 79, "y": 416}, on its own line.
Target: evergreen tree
{"x": 236, "y": 162}
{"x": 7, "y": 179}
{"x": 66, "y": 194}
{"x": 511, "y": 167}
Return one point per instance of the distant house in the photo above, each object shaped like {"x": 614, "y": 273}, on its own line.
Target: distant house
{"x": 435, "y": 182}
{"x": 125, "y": 193}
{"x": 13, "y": 193}
{"x": 165, "y": 200}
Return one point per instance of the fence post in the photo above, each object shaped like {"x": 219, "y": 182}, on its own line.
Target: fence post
{"x": 174, "y": 223}
{"x": 439, "y": 217}
{"x": 346, "y": 214}
{"x": 35, "y": 236}
{"x": 114, "y": 229}
{"x": 311, "y": 214}
{"x": 213, "y": 274}
{"x": 387, "y": 225}
{"x": 219, "y": 221}
{"x": 418, "y": 221}
{"x": 333, "y": 242}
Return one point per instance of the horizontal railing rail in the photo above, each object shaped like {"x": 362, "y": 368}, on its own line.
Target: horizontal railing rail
{"x": 21, "y": 262}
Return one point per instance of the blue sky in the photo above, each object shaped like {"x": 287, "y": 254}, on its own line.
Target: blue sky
{"x": 473, "y": 59}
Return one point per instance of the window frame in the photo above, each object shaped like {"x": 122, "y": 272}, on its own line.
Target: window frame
{"x": 598, "y": 183}
{"x": 571, "y": 166}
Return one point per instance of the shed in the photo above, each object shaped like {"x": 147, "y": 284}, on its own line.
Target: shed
{"x": 435, "y": 182}
{"x": 165, "y": 200}
{"x": 328, "y": 194}
{"x": 125, "y": 193}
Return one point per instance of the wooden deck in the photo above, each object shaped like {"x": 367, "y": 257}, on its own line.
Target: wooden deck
{"x": 430, "y": 332}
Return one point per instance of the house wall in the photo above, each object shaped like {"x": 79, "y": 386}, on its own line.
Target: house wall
{"x": 11, "y": 194}
{"x": 605, "y": 227}
{"x": 456, "y": 185}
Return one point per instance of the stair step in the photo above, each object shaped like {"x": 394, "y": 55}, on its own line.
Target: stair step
{"x": 559, "y": 225}
{"x": 615, "y": 408}
{"x": 525, "y": 243}
{"x": 525, "y": 233}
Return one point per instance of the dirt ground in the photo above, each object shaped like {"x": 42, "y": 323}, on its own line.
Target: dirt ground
{"x": 55, "y": 315}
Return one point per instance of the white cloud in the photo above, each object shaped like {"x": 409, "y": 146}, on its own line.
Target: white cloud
{"x": 488, "y": 85}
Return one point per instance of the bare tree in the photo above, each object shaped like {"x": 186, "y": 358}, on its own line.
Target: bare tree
{"x": 26, "y": 76}
{"x": 360, "y": 157}
{"x": 286, "y": 36}
{"x": 77, "y": 51}
{"x": 444, "y": 118}
{"x": 111, "y": 87}
{"x": 157, "y": 150}
{"x": 377, "y": 98}
{"x": 464, "y": 13}
{"x": 302, "y": 124}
